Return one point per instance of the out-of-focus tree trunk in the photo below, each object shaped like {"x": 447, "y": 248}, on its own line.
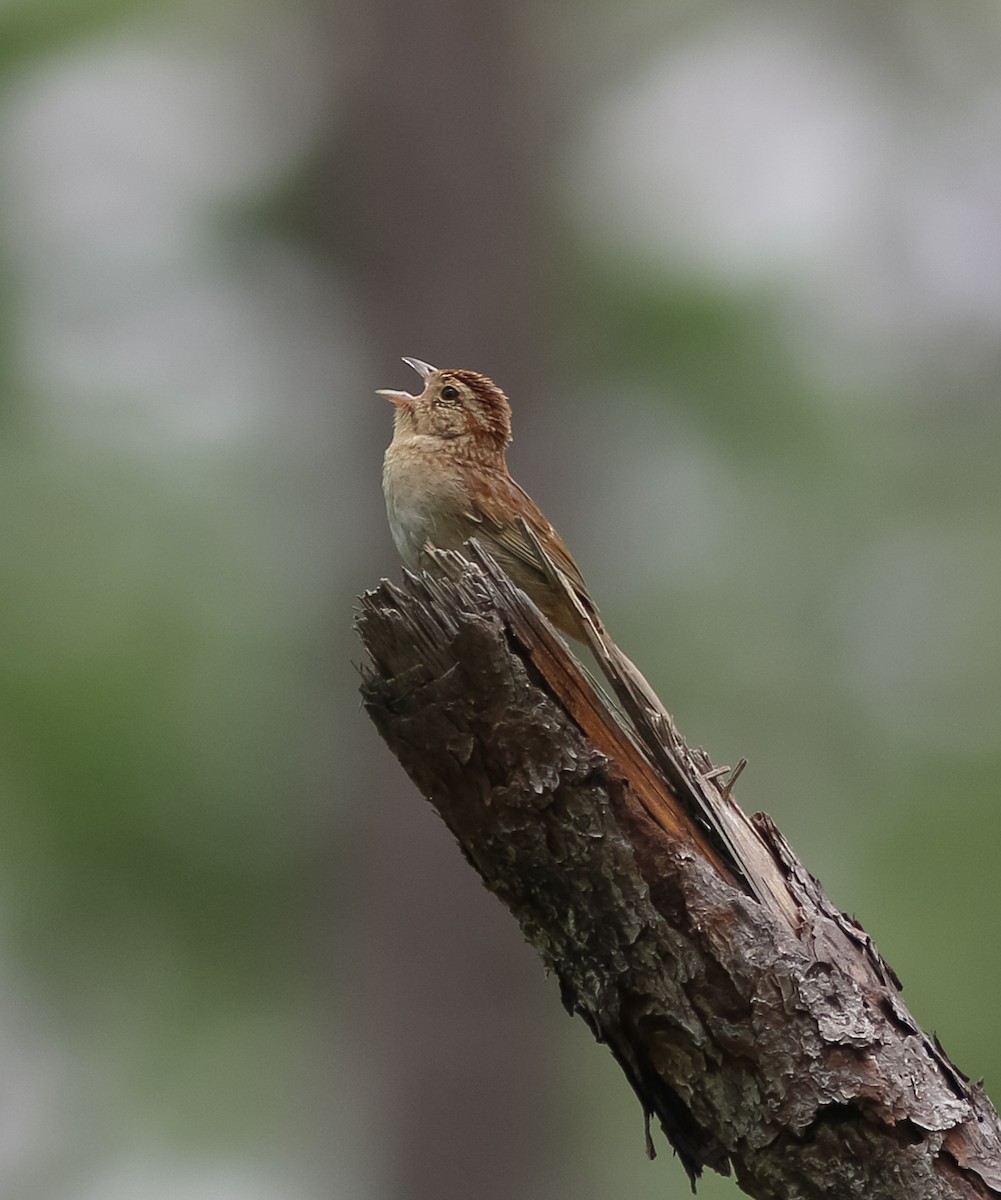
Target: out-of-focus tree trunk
{"x": 431, "y": 206}
{"x": 441, "y": 221}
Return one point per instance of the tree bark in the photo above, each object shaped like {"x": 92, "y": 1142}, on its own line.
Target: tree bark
{"x": 755, "y": 1022}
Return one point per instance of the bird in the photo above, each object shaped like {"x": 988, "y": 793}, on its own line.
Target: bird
{"x": 446, "y": 480}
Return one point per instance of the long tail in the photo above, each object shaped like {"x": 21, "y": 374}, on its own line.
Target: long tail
{"x": 693, "y": 781}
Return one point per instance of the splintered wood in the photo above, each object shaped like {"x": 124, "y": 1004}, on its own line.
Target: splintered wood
{"x": 756, "y": 1023}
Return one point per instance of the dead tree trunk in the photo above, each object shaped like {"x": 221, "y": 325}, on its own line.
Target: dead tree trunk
{"x": 758, "y": 1024}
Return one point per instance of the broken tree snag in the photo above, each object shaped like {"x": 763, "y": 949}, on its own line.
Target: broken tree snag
{"x": 758, "y": 1024}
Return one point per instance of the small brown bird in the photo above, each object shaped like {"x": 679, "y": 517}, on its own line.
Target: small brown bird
{"x": 446, "y": 480}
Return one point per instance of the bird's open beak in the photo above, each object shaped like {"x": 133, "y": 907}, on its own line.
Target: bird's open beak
{"x": 400, "y": 399}
{"x": 423, "y": 369}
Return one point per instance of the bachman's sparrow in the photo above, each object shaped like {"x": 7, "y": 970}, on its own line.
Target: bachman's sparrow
{"x": 446, "y": 480}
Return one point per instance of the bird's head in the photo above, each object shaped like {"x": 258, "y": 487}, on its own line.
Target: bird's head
{"x": 454, "y": 404}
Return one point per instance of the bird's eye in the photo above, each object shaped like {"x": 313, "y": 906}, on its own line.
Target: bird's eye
{"x": 449, "y": 393}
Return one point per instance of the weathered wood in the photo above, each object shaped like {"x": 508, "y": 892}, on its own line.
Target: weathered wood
{"x": 764, "y": 1032}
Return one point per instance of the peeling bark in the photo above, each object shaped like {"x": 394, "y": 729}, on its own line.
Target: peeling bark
{"x": 755, "y": 1022}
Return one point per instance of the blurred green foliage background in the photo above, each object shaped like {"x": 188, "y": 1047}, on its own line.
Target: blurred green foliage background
{"x": 739, "y": 268}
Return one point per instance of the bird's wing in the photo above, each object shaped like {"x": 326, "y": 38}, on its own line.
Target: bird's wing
{"x": 493, "y": 509}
